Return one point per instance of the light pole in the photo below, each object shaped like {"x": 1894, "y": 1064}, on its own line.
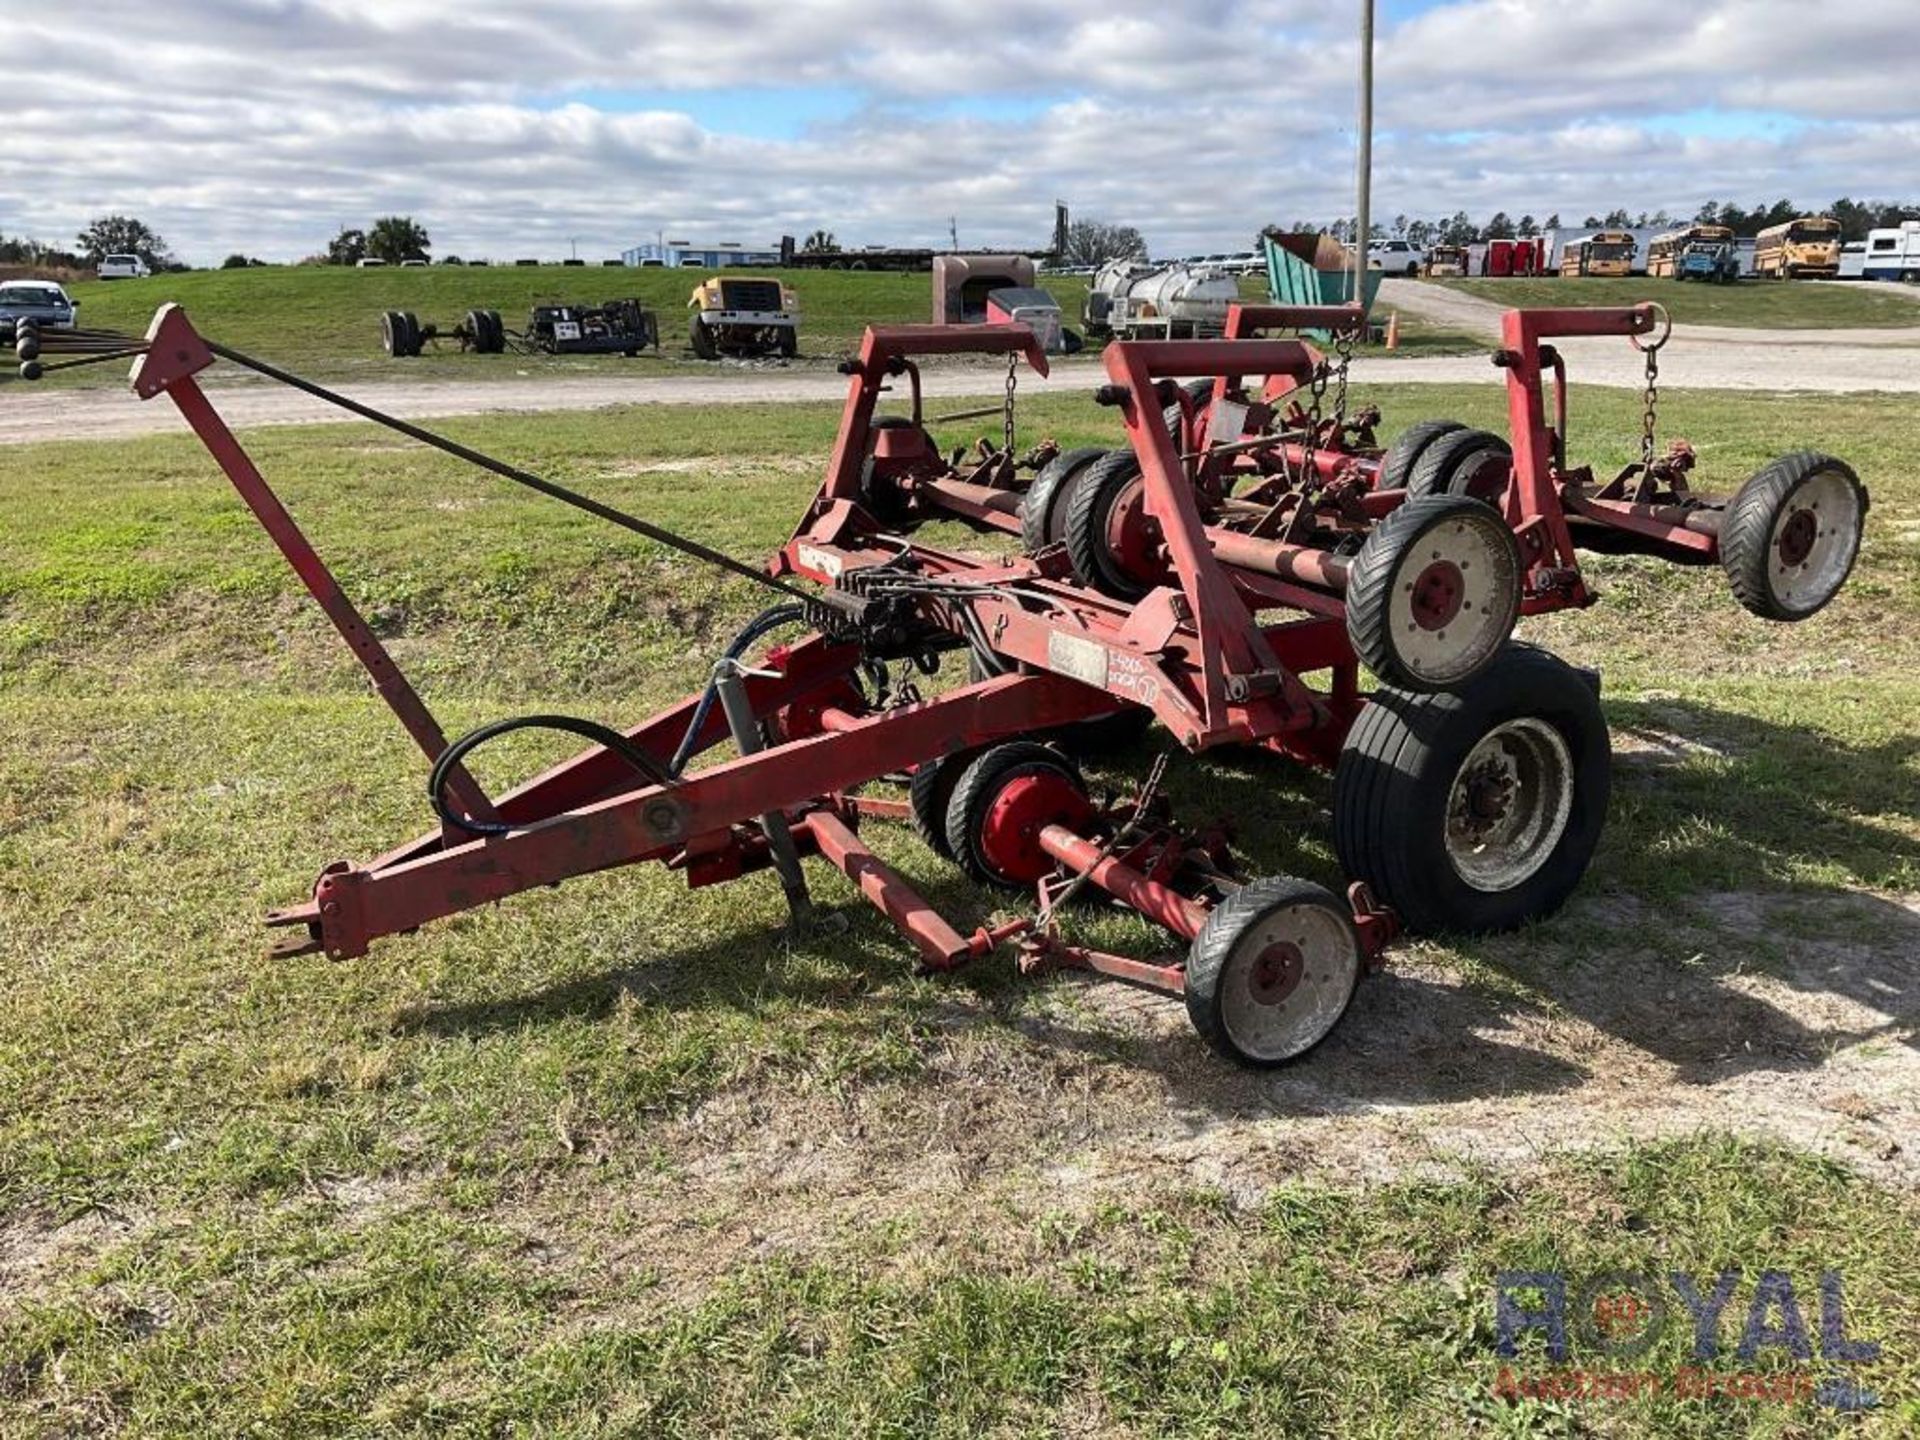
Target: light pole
{"x": 1363, "y": 179}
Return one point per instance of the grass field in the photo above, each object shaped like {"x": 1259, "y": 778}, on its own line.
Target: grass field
{"x": 622, "y": 1158}
{"x": 325, "y": 321}
{"x": 1759, "y": 304}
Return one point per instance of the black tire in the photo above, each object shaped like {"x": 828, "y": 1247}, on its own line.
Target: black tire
{"x": 1407, "y": 447}
{"x": 1429, "y": 473}
{"x": 977, "y": 788}
{"x": 700, "y": 336}
{"x": 928, "y": 792}
{"x": 479, "y": 334}
{"x": 1198, "y": 392}
{"x": 789, "y": 344}
{"x": 1462, "y": 477}
{"x": 1224, "y": 981}
{"x": 496, "y": 332}
{"x": 1088, "y": 507}
{"x": 1043, "y": 511}
{"x": 416, "y": 342}
{"x": 1394, "y": 788}
{"x": 393, "y": 334}
{"x": 1388, "y": 620}
{"x": 1754, "y": 549}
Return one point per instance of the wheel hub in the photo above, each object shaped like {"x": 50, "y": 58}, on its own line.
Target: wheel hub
{"x": 1132, "y": 536}
{"x": 1797, "y": 537}
{"x": 1026, "y": 805}
{"x": 1510, "y": 804}
{"x": 1276, "y": 973}
{"x": 1438, "y": 592}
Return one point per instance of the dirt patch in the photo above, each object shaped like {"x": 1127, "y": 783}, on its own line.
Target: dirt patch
{"x": 1786, "y": 1018}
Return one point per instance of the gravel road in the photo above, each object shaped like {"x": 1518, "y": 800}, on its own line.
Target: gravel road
{"x": 1701, "y": 357}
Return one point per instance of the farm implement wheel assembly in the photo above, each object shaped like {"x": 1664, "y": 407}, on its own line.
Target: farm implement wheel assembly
{"x": 1476, "y": 810}
{"x": 1791, "y": 535}
{"x": 1434, "y": 592}
{"x": 1272, "y": 971}
{"x": 1218, "y": 562}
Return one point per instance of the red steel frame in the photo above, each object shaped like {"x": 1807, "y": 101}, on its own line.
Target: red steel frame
{"x": 1195, "y": 657}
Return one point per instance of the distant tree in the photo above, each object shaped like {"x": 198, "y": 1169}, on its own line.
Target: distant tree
{"x": 1617, "y": 220}
{"x": 1500, "y": 227}
{"x": 1400, "y": 226}
{"x": 1420, "y": 233}
{"x": 394, "y": 238}
{"x": 349, "y": 247}
{"x": 1094, "y": 242}
{"x": 1529, "y": 227}
{"x": 1707, "y": 214}
{"x": 820, "y": 242}
{"x": 1459, "y": 229}
{"x": 1552, "y": 222}
{"x": 123, "y": 235}
{"x": 1592, "y": 222}
{"x": 237, "y": 261}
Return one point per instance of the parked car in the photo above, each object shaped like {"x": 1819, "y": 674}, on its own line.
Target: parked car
{"x": 1396, "y": 257}
{"x": 122, "y": 267}
{"x": 370, "y": 262}
{"x": 41, "y": 301}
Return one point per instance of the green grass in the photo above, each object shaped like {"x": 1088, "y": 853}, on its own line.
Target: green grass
{"x": 324, "y": 321}
{"x": 621, "y": 1158}
{"x": 1760, "y": 304}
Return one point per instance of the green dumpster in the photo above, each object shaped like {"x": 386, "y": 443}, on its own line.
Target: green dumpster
{"x": 1312, "y": 269}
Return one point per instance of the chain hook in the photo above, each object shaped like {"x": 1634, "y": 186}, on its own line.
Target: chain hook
{"x": 1006, "y": 414}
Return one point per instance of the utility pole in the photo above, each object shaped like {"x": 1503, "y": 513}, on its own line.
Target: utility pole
{"x": 953, "y": 232}
{"x": 1364, "y": 170}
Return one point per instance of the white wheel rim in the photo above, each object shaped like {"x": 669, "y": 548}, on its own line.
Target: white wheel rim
{"x": 1288, "y": 981}
{"x": 1813, "y": 542}
{"x": 1509, "y": 804}
{"x": 1454, "y": 598}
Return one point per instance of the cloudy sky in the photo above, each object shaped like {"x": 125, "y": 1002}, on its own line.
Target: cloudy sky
{"x": 517, "y": 127}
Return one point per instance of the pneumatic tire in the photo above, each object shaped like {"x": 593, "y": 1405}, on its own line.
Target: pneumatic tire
{"x": 1043, "y": 511}
{"x": 700, "y": 336}
{"x": 928, "y": 792}
{"x": 1272, "y": 971}
{"x": 1429, "y": 475}
{"x": 976, "y": 813}
{"x": 1477, "y": 810}
{"x": 1407, "y": 447}
{"x": 1434, "y": 593}
{"x": 1790, "y": 535}
{"x": 1089, "y": 511}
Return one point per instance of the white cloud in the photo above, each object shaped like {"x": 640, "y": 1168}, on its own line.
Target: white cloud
{"x": 261, "y": 125}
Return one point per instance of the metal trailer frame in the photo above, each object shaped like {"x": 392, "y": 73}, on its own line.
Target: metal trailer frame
{"x": 1554, "y": 509}
{"x": 1194, "y": 654}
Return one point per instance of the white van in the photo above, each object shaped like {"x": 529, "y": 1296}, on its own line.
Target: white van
{"x": 1893, "y": 254}
{"x": 122, "y": 267}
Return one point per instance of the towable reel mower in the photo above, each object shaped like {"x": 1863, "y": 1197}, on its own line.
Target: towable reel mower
{"x": 1787, "y": 538}
{"x": 1471, "y": 789}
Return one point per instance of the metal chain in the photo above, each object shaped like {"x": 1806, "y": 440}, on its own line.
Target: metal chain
{"x": 1649, "y": 405}
{"x": 1316, "y": 391}
{"x": 1343, "y": 347}
{"x": 1013, "y": 380}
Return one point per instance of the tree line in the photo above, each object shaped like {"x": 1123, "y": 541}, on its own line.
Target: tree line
{"x": 1856, "y": 218}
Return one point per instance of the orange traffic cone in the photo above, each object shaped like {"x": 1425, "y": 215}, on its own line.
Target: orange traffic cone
{"x": 1393, "y": 330}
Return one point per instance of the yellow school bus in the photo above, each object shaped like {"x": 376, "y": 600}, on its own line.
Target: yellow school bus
{"x": 1605, "y": 252}
{"x": 1803, "y": 248}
